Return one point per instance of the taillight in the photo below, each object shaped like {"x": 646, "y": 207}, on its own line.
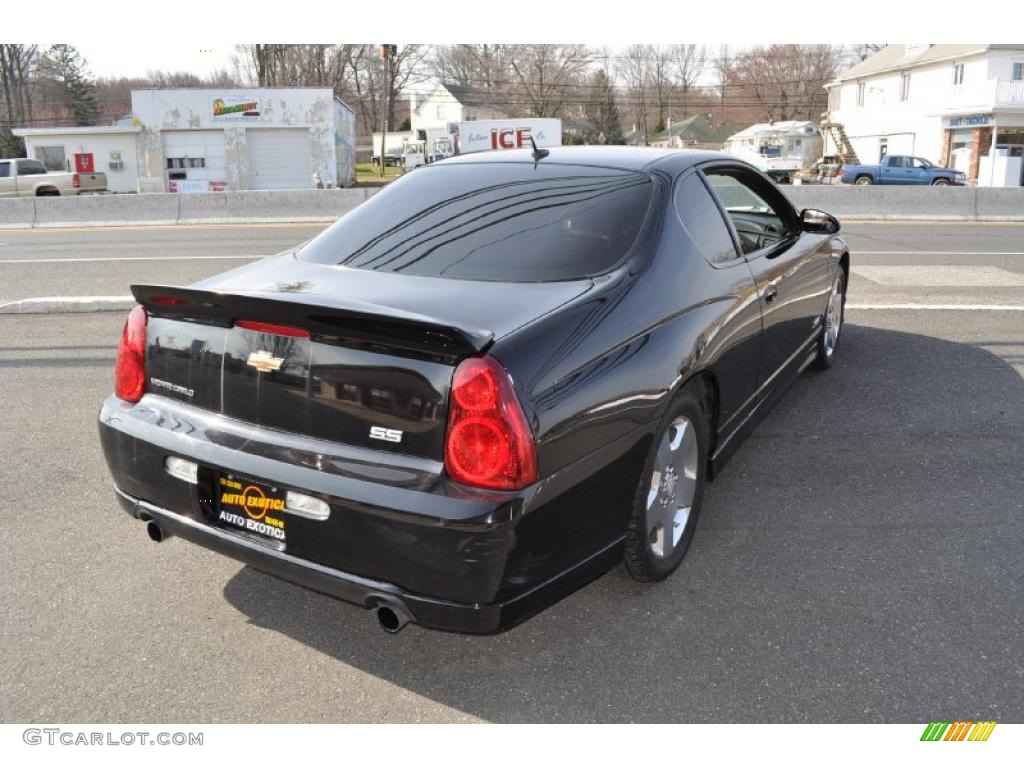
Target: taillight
{"x": 279, "y": 330}
{"x": 130, "y": 369}
{"x": 76, "y": 182}
{"x": 489, "y": 444}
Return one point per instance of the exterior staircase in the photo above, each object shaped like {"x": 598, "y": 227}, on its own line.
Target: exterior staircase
{"x": 844, "y": 149}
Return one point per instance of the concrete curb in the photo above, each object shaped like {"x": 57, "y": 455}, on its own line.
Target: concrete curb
{"x": 62, "y": 304}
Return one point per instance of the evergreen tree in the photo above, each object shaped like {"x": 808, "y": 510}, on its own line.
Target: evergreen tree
{"x": 65, "y": 69}
{"x": 602, "y": 113}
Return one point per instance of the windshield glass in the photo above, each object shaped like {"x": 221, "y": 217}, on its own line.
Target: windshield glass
{"x": 520, "y": 222}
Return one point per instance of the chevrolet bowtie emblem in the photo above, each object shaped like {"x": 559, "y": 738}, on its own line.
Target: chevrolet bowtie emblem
{"x": 264, "y": 362}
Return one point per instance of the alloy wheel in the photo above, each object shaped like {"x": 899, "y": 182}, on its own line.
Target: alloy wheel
{"x": 834, "y": 316}
{"x": 672, "y": 489}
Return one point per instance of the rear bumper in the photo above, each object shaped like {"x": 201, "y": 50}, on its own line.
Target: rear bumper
{"x": 456, "y": 559}
{"x": 451, "y": 616}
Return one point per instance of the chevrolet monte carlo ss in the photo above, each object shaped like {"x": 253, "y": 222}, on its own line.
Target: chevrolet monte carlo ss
{"x": 492, "y": 382}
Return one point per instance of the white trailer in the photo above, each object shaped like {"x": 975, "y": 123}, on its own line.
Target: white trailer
{"x": 781, "y": 149}
{"x": 394, "y": 146}
{"x": 486, "y": 135}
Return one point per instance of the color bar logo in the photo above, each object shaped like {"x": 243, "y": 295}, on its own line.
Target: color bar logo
{"x": 961, "y": 730}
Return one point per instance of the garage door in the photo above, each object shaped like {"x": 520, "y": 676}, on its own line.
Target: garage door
{"x": 279, "y": 158}
{"x": 195, "y": 160}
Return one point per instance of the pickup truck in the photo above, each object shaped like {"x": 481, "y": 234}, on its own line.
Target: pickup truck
{"x": 21, "y": 177}
{"x": 901, "y": 169}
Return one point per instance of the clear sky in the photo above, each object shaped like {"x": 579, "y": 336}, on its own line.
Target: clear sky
{"x": 135, "y": 58}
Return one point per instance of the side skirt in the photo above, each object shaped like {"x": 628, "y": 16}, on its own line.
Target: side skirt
{"x": 761, "y": 403}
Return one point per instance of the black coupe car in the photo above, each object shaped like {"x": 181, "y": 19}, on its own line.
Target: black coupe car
{"x": 489, "y": 384}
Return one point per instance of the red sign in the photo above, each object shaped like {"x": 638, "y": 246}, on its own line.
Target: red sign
{"x": 84, "y": 163}
{"x": 509, "y": 139}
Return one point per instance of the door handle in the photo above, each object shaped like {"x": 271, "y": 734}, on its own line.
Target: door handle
{"x": 770, "y": 292}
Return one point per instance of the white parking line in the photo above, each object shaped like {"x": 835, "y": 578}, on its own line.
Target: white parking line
{"x": 945, "y": 307}
{"x": 938, "y": 253}
{"x": 130, "y": 258}
{"x": 936, "y": 276}
{"x": 52, "y": 304}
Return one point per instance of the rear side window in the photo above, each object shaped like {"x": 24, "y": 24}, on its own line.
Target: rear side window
{"x": 703, "y": 221}
{"x": 5, "y": 170}
{"x": 30, "y": 167}
{"x": 519, "y": 222}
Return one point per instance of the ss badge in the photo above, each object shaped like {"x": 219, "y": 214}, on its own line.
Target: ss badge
{"x": 381, "y": 433}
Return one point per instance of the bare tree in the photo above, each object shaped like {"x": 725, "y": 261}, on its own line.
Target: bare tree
{"x": 722, "y": 66}
{"x": 375, "y": 83}
{"x": 17, "y": 65}
{"x": 634, "y": 71}
{"x": 547, "y": 77}
{"x": 159, "y": 79}
{"x": 660, "y": 69}
{"x": 470, "y": 66}
{"x": 688, "y": 63}
{"x": 785, "y": 82}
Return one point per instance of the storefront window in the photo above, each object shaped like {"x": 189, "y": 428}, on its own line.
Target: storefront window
{"x": 1011, "y": 139}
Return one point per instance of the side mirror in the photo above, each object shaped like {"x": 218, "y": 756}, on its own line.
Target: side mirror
{"x": 818, "y": 221}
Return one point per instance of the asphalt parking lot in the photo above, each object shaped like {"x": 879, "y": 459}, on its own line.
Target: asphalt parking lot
{"x": 859, "y": 560}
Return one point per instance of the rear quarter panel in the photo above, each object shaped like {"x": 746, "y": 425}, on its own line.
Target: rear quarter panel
{"x": 595, "y": 377}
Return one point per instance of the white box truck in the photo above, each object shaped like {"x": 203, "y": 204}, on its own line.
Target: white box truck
{"x": 439, "y": 144}
{"x": 394, "y": 146}
{"x": 486, "y": 135}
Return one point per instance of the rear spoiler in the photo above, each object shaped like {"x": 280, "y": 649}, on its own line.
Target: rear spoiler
{"x": 330, "y": 319}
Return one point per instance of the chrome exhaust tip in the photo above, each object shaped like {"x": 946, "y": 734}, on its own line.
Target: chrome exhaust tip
{"x": 156, "y": 533}
{"x": 392, "y": 616}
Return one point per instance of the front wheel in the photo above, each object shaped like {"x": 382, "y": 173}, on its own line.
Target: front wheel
{"x": 940, "y": 183}
{"x": 828, "y": 342}
{"x": 864, "y": 181}
{"x": 671, "y": 490}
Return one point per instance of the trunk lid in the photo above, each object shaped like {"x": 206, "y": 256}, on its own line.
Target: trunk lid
{"x": 374, "y": 361}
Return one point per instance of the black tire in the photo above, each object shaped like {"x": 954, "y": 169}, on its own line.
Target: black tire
{"x": 826, "y": 352}
{"x": 641, "y": 559}
{"x": 864, "y": 181}
{"x": 940, "y": 183}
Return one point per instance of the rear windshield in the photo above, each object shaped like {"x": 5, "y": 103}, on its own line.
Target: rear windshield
{"x": 493, "y": 221}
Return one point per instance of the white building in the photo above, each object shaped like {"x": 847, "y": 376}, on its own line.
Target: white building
{"x": 447, "y": 105}
{"x": 203, "y": 140}
{"x": 947, "y": 103}
{"x": 111, "y": 149}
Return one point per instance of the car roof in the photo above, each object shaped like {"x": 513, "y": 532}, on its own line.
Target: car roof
{"x": 624, "y": 157}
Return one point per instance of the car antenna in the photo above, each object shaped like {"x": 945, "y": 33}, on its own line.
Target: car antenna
{"x": 538, "y": 154}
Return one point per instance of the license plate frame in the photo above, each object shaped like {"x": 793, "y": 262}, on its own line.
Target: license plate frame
{"x": 243, "y": 505}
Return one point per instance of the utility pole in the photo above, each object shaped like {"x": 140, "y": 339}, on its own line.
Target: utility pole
{"x": 386, "y": 51}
